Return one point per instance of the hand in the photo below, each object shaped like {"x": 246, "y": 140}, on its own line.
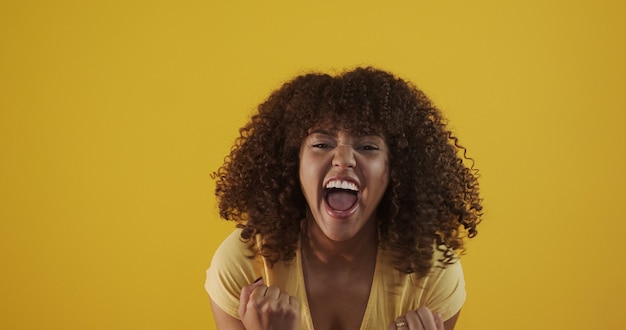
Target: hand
{"x": 263, "y": 308}
{"x": 421, "y": 319}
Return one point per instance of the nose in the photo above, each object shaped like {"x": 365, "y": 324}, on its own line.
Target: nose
{"x": 344, "y": 156}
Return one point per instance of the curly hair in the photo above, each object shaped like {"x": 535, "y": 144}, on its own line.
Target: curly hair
{"x": 432, "y": 199}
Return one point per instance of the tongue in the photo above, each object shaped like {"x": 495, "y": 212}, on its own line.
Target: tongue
{"x": 341, "y": 200}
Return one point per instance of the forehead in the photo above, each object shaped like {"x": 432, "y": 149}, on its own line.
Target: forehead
{"x": 352, "y": 128}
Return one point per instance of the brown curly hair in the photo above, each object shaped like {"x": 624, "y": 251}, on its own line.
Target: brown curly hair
{"x": 432, "y": 196}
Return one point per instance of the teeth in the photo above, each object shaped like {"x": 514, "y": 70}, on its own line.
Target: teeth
{"x": 342, "y": 185}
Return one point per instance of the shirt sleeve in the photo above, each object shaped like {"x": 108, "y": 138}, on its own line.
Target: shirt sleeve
{"x": 447, "y": 294}
{"x": 231, "y": 269}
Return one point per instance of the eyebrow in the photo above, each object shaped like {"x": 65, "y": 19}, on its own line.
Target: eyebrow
{"x": 324, "y": 131}
{"x": 334, "y": 132}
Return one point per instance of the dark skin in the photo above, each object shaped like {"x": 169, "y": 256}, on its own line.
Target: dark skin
{"x": 338, "y": 277}
{"x": 341, "y": 278}
{"x": 226, "y": 321}
{"x": 338, "y": 249}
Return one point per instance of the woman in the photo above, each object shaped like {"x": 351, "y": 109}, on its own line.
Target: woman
{"x": 351, "y": 198}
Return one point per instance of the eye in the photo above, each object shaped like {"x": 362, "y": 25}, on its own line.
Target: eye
{"x": 369, "y": 147}
{"x": 321, "y": 145}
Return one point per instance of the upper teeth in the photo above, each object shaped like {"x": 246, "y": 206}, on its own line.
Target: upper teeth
{"x": 342, "y": 185}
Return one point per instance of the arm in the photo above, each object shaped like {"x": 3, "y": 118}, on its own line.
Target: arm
{"x": 224, "y": 320}
{"x": 451, "y": 322}
{"x": 260, "y": 307}
{"x": 423, "y": 318}
{"x": 448, "y": 294}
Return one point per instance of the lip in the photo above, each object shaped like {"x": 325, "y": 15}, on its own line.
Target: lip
{"x": 346, "y": 213}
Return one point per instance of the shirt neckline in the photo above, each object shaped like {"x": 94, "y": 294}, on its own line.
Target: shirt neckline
{"x": 306, "y": 311}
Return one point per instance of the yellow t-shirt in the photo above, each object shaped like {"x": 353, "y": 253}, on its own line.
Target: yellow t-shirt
{"x": 392, "y": 293}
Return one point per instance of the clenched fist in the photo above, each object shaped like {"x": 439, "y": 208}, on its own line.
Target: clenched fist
{"x": 264, "y": 308}
{"x": 420, "y": 319}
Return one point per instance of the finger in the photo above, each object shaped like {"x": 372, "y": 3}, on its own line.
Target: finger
{"x": 246, "y": 292}
{"x": 272, "y": 293}
{"x": 258, "y": 295}
{"x": 288, "y": 306}
{"x": 293, "y": 301}
{"x": 414, "y": 322}
{"x": 427, "y": 318}
{"x": 282, "y": 303}
{"x": 402, "y": 323}
{"x": 439, "y": 321}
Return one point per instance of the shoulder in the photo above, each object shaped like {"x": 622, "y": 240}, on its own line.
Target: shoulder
{"x": 445, "y": 285}
{"x": 443, "y": 269}
{"x": 232, "y": 244}
{"x": 233, "y": 266}
{"x": 233, "y": 255}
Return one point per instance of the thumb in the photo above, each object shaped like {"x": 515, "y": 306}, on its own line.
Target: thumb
{"x": 245, "y": 295}
{"x": 438, "y": 321}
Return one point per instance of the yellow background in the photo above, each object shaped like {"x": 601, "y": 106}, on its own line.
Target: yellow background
{"x": 113, "y": 115}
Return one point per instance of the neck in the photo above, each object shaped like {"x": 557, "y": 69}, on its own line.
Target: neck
{"x": 318, "y": 248}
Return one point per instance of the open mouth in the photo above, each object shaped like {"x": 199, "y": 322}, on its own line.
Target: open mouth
{"x": 341, "y": 195}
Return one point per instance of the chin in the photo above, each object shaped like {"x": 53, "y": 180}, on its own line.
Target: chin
{"x": 342, "y": 229}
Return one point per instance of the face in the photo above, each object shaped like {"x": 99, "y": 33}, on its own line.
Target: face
{"x": 343, "y": 178}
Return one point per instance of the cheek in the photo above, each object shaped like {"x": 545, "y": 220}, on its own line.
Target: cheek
{"x": 309, "y": 176}
{"x": 380, "y": 168}
{"x": 382, "y": 172}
